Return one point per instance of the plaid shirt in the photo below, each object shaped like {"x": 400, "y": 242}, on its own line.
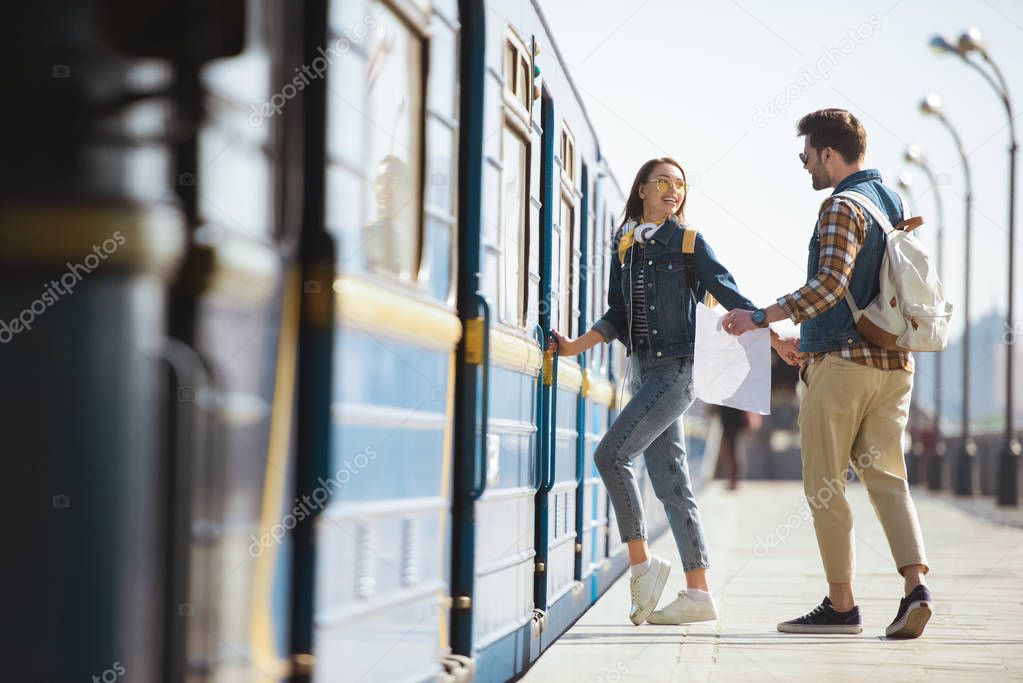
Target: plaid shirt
{"x": 843, "y": 228}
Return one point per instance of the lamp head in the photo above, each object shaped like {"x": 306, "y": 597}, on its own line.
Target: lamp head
{"x": 941, "y": 44}
{"x": 913, "y": 155}
{"x": 970, "y": 41}
{"x": 931, "y": 105}
{"x": 905, "y": 181}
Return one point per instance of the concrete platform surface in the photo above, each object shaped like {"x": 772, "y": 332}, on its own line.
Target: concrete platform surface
{"x": 766, "y": 569}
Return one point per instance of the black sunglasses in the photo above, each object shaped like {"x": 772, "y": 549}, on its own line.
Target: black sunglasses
{"x": 804, "y": 158}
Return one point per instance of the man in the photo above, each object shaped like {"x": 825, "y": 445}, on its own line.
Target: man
{"x": 856, "y": 403}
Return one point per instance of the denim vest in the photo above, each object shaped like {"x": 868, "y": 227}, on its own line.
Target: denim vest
{"x": 834, "y": 328}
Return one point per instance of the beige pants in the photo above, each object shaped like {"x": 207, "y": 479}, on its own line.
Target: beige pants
{"x": 855, "y": 415}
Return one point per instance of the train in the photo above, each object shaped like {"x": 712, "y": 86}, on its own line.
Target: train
{"x": 300, "y": 421}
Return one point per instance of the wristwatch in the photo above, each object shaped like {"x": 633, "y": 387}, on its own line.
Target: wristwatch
{"x": 759, "y": 317}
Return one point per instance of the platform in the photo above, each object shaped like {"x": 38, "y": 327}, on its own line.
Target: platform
{"x": 976, "y": 633}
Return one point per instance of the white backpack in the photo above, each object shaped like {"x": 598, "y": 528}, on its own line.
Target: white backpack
{"x": 910, "y": 312}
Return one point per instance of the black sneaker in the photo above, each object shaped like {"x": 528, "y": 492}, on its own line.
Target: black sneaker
{"x": 914, "y": 613}
{"x": 825, "y": 619}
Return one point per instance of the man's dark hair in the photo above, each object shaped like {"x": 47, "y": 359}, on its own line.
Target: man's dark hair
{"x": 837, "y": 129}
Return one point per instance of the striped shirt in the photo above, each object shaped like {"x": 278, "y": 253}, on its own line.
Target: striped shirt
{"x": 639, "y": 322}
{"x": 842, "y": 228}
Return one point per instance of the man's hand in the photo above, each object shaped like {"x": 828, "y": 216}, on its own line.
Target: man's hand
{"x": 738, "y": 321}
{"x": 788, "y": 349}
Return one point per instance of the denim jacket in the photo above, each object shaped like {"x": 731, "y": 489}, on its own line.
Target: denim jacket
{"x": 670, "y": 303}
{"x": 834, "y": 328}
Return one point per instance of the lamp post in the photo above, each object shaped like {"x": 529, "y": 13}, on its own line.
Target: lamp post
{"x": 931, "y": 106}
{"x": 970, "y": 43}
{"x": 905, "y": 183}
{"x": 935, "y": 458}
{"x": 917, "y": 428}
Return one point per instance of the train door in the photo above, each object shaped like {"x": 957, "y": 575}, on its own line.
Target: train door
{"x": 504, "y": 630}
{"x": 598, "y": 396}
{"x": 558, "y": 592}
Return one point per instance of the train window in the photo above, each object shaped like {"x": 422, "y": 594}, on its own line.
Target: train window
{"x": 523, "y": 82}
{"x": 567, "y": 155}
{"x": 566, "y": 273}
{"x": 394, "y": 141}
{"x": 513, "y": 217}
{"x": 602, "y": 261}
{"x": 436, "y": 271}
{"x": 375, "y": 138}
{"x": 569, "y": 269}
{"x": 604, "y": 237}
{"x": 517, "y": 77}
{"x": 513, "y": 225}
{"x": 596, "y": 263}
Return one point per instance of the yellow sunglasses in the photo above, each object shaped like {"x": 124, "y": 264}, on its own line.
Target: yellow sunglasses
{"x": 664, "y": 183}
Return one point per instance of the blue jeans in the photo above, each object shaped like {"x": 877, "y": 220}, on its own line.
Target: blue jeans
{"x": 651, "y": 424}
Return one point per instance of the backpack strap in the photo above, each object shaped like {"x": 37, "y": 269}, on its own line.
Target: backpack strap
{"x": 689, "y": 260}
{"x": 866, "y": 203}
{"x": 880, "y": 217}
{"x": 626, "y": 238}
{"x": 624, "y": 244}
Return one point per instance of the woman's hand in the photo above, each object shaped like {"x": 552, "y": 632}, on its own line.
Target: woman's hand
{"x": 573, "y": 347}
{"x": 563, "y": 345}
{"x": 788, "y": 349}
{"x": 738, "y": 321}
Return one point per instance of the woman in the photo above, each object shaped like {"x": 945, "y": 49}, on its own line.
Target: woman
{"x": 652, "y": 309}
{"x": 734, "y": 423}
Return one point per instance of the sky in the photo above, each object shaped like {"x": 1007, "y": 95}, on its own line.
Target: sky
{"x": 720, "y": 85}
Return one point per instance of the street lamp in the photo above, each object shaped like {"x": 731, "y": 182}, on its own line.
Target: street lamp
{"x": 917, "y": 454}
{"x": 935, "y": 459}
{"x": 906, "y": 185}
{"x": 931, "y": 106}
{"x": 970, "y": 42}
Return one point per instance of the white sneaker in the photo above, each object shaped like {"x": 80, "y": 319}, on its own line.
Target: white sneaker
{"x": 646, "y": 590}
{"x": 685, "y": 610}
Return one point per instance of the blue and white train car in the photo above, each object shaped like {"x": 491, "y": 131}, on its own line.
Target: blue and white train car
{"x": 473, "y": 212}
{"x": 345, "y": 453}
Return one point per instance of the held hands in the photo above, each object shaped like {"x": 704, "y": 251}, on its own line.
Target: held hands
{"x": 788, "y": 349}
{"x": 738, "y": 321}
